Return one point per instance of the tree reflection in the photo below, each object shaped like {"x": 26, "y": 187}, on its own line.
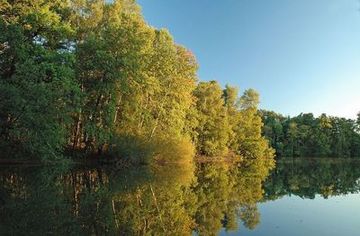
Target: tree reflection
{"x": 154, "y": 200}
{"x": 225, "y": 193}
{"x": 307, "y": 178}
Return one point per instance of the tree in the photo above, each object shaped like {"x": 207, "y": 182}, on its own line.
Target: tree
{"x": 213, "y": 125}
{"x": 37, "y": 87}
{"x": 358, "y": 122}
{"x": 249, "y": 141}
{"x": 230, "y": 95}
{"x": 112, "y": 85}
{"x": 307, "y": 136}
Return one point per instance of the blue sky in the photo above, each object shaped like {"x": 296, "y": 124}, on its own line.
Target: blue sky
{"x": 301, "y": 55}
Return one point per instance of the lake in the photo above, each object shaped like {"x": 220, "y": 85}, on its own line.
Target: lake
{"x": 307, "y": 197}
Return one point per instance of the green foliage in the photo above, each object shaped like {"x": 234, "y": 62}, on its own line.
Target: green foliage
{"x": 136, "y": 150}
{"x": 37, "y": 88}
{"x": 173, "y": 150}
{"x": 249, "y": 141}
{"x": 213, "y": 125}
{"x": 94, "y": 77}
{"x": 307, "y": 136}
{"x": 131, "y": 149}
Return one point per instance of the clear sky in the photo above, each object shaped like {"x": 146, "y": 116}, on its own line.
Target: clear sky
{"x": 301, "y": 55}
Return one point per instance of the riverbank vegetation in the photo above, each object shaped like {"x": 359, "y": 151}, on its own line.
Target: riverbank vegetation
{"x": 93, "y": 78}
{"x": 309, "y": 136}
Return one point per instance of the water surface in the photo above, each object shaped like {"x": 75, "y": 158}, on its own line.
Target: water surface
{"x": 297, "y": 198}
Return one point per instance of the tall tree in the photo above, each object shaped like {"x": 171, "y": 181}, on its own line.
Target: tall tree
{"x": 37, "y": 87}
{"x": 249, "y": 141}
{"x": 213, "y": 125}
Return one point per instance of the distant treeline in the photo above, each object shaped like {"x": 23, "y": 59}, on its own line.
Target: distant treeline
{"x": 309, "y": 136}
{"x": 94, "y": 77}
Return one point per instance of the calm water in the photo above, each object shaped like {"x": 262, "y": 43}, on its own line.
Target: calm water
{"x": 297, "y": 198}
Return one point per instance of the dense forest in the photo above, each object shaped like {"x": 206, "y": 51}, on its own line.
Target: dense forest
{"x": 309, "y": 136}
{"x": 93, "y": 77}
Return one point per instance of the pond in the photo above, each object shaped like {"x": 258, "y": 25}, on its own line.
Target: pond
{"x": 308, "y": 197}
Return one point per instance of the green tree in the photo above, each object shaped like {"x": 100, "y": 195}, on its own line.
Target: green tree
{"x": 213, "y": 127}
{"x": 37, "y": 88}
{"x": 307, "y": 136}
{"x": 249, "y": 141}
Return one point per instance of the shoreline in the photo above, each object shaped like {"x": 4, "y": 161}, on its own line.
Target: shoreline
{"x": 197, "y": 159}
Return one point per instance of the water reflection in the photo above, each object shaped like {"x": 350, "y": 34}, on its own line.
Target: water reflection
{"x": 158, "y": 200}
{"x": 307, "y": 178}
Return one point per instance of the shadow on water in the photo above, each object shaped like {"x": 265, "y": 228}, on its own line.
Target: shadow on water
{"x": 157, "y": 200}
